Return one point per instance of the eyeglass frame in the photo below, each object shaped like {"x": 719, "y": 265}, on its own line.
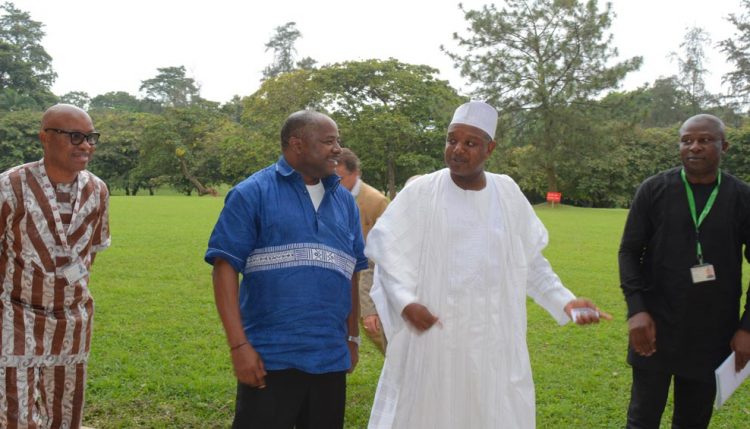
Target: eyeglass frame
{"x": 87, "y": 137}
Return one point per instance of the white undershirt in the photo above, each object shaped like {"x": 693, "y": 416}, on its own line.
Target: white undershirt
{"x": 316, "y": 192}
{"x": 355, "y": 189}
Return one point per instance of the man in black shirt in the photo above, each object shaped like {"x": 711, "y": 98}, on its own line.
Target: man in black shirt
{"x": 680, "y": 270}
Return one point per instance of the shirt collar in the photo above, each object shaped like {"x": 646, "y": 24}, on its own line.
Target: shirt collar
{"x": 283, "y": 168}
{"x": 356, "y": 188}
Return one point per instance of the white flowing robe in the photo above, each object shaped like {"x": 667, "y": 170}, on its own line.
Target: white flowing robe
{"x": 471, "y": 257}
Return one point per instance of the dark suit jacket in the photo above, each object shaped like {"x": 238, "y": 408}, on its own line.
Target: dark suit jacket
{"x": 694, "y": 322}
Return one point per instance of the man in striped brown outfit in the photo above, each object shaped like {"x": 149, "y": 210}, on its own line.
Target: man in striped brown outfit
{"x": 53, "y": 221}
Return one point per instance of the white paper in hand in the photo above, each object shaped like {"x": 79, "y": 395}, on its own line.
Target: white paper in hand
{"x": 575, "y": 313}
{"x": 727, "y": 381}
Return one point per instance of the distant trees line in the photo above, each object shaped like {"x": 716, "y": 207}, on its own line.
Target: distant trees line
{"x": 547, "y": 65}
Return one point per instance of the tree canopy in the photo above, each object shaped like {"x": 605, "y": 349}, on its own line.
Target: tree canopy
{"x": 171, "y": 87}
{"x": 737, "y": 49}
{"x": 26, "y": 73}
{"x": 547, "y": 65}
{"x": 537, "y": 61}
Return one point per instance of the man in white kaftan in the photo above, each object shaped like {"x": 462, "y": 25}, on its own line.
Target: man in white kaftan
{"x": 466, "y": 246}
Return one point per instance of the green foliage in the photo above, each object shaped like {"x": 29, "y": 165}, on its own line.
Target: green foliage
{"x": 393, "y": 115}
{"x": 668, "y": 103}
{"x": 76, "y": 98}
{"x": 121, "y": 100}
{"x": 25, "y": 67}
{"x": 692, "y": 66}
{"x": 181, "y": 148}
{"x": 282, "y": 45}
{"x": 117, "y": 160}
{"x": 737, "y": 158}
{"x": 171, "y": 88}
{"x": 19, "y": 138}
{"x": 538, "y": 60}
{"x": 11, "y": 101}
{"x": 737, "y": 50}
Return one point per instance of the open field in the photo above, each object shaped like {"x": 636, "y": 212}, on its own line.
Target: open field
{"x": 159, "y": 358}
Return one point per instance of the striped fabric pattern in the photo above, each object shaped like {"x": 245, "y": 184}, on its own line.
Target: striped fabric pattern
{"x": 45, "y": 323}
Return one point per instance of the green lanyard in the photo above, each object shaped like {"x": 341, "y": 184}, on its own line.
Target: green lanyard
{"x": 691, "y": 202}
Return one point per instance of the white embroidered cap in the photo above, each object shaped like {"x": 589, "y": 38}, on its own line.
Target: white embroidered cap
{"x": 477, "y": 114}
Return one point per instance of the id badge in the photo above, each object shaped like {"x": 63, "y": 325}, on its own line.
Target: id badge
{"x": 703, "y": 273}
{"x": 75, "y": 271}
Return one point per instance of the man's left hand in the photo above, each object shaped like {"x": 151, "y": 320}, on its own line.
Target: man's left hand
{"x": 740, "y": 344}
{"x": 589, "y": 316}
{"x": 354, "y": 353}
{"x": 372, "y": 323}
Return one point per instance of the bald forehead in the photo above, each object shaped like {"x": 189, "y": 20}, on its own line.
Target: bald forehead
{"x": 68, "y": 117}
{"x": 704, "y": 122}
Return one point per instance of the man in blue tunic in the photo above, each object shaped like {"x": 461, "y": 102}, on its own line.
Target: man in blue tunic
{"x": 292, "y": 323}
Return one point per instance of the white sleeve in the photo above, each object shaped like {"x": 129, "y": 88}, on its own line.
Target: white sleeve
{"x": 545, "y": 287}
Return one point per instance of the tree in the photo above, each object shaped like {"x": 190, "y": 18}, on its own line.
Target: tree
{"x": 737, "y": 50}
{"x": 282, "y": 45}
{"x": 181, "y": 148}
{"x": 19, "y": 138}
{"x": 692, "y": 68}
{"x": 306, "y": 63}
{"x": 393, "y": 115}
{"x": 537, "y": 60}
{"x": 11, "y": 100}
{"x": 25, "y": 67}
{"x": 233, "y": 108}
{"x": 118, "y": 158}
{"x": 77, "y": 98}
{"x": 171, "y": 88}
{"x": 121, "y": 100}
{"x": 737, "y": 159}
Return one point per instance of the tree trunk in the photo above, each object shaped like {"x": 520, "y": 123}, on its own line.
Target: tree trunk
{"x": 202, "y": 190}
{"x": 551, "y": 178}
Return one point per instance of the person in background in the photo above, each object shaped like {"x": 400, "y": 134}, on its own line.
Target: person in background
{"x": 292, "y": 324}
{"x": 681, "y": 273}
{"x": 53, "y": 222}
{"x": 371, "y": 205}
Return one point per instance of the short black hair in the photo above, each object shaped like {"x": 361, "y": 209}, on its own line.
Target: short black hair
{"x": 295, "y": 124}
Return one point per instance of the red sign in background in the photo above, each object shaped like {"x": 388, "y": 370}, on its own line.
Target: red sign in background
{"x": 554, "y": 197}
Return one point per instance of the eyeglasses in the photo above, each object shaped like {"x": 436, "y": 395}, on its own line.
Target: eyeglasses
{"x": 76, "y": 137}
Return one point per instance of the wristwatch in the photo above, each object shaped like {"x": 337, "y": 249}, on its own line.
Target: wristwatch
{"x": 355, "y": 340}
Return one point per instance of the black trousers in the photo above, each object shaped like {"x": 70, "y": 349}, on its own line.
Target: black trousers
{"x": 292, "y": 399}
{"x": 693, "y": 400}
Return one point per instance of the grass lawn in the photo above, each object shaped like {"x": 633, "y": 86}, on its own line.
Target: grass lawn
{"x": 159, "y": 358}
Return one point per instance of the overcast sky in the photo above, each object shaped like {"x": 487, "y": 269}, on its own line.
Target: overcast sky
{"x": 99, "y": 46}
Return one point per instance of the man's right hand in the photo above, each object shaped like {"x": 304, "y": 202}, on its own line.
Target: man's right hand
{"x": 642, "y": 331}
{"x": 248, "y": 366}
{"x": 419, "y": 316}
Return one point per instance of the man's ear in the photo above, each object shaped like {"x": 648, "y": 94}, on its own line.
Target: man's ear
{"x": 295, "y": 143}
{"x": 43, "y": 136}
{"x": 490, "y": 147}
